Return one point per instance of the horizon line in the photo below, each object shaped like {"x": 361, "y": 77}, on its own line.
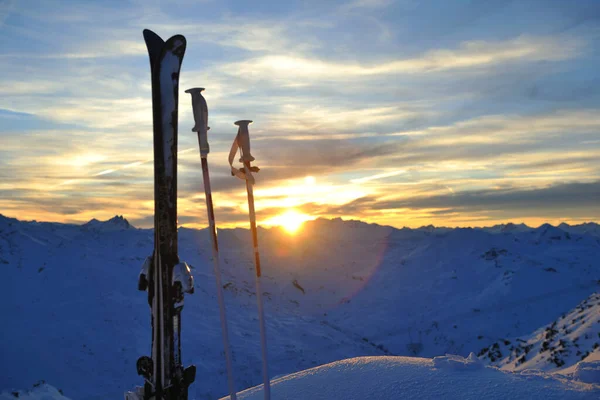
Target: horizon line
{"x": 269, "y": 226}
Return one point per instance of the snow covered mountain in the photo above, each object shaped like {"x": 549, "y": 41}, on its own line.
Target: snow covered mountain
{"x": 116, "y": 223}
{"x": 337, "y": 289}
{"x": 569, "y": 339}
{"x": 589, "y": 228}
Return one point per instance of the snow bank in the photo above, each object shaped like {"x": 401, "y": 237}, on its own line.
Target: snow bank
{"x": 40, "y": 391}
{"x": 447, "y": 377}
{"x": 454, "y": 362}
{"x": 588, "y": 372}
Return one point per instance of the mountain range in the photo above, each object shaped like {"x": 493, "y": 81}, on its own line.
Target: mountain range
{"x": 337, "y": 289}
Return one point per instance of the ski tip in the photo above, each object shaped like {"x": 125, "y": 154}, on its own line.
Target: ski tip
{"x": 151, "y": 37}
{"x": 153, "y": 43}
{"x": 243, "y": 122}
{"x": 177, "y": 40}
{"x": 195, "y": 90}
{"x": 176, "y": 44}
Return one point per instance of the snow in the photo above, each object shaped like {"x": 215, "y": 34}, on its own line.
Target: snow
{"x": 40, "y": 391}
{"x": 588, "y": 371}
{"x": 569, "y": 371}
{"x": 571, "y": 338}
{"x": 454, "y": 362}
{"x": 418, "y": 378}
{"x": 69, "y": 294}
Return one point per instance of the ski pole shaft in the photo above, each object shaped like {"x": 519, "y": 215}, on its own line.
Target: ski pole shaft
{"x": 217, "y": 268}
{"x": 252, "y": 214}
{"x": 200, "y": 110}
{"x": 261, "y": 314}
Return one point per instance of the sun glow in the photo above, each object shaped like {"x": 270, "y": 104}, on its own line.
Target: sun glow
{"x": 290, "y": 220}
{"x": 310, "y": 180}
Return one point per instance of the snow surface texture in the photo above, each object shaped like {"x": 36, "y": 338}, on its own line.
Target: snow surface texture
{"x": 588, "y": 372}
{"x": 40, "y": 391}
{"x": 570, "y": 338}
{"x": 418, "y": 378}
{"x": 336, "y": 290}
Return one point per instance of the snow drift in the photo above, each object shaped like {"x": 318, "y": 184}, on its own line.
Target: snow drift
{"x": 447, "y": 377}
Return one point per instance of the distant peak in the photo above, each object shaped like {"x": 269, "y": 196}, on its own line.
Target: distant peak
{"x": 426, "y": 228}
{"x": 546, "y": 226}
{"x": 118, "y": 222}
{"x": 512, "y": 227}
{"x": 119, "y": 219}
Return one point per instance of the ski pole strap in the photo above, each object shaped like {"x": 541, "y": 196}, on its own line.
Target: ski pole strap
{"x": 200, "y": 110}
{"x": 242, "y": 142}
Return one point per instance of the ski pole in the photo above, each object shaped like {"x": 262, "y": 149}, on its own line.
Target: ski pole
{"x": 242, "y": 141}
{"x": 200, "y": 110}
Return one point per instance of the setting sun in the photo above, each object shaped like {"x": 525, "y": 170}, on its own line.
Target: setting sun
{"x": 310, "y": 180}
{"x": 290, "y": 220}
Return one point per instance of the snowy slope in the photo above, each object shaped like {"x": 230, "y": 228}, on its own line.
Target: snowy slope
{"x": 447, "y": 377}
{"x": 39, "y": 391}
{"x": 338, "y": 289}
{"x": 573, "y": 337}
{"x": 589, "y": 228}
{"x": 428, "y": 293}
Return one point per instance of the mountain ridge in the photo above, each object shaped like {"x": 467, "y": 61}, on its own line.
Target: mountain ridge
{"x": 503, "y": 227}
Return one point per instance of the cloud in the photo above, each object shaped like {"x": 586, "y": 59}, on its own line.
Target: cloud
{"x": 374, "y": 121}
{"x": 558, "y": 197}
{"x": 469, "y": 55}
{"x": 378, "y": 176}
{"x": 255, "y": 35}
{"x": 494, "y": 137}
{"x": 28, "y": 87}
{"x": 423, "y": 166}
{"x": 362, "y": 4}
{"x": 559, "y": 202}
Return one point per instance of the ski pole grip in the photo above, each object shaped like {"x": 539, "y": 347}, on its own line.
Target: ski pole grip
{"x": 244, "y": 140}
{"x": 200, "y": 111}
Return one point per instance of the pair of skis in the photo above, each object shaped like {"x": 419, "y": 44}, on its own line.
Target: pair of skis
{"x": 163, "y": 276}
{"x": 241, "y": 142}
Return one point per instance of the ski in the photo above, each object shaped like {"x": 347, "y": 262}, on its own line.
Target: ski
{"x": 200, "y": 110}
{"x": 165, "y": 278}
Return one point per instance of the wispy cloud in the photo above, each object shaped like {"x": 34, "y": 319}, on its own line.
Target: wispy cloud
{"x": 381, "y": 175}
{"x": 362, "y": 4}
{"x": 383, "y": 114}
{"x": 29, "y": 87}
{"x": 472, "y": 54}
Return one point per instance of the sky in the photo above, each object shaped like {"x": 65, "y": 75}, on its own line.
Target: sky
{"x": 404, "y": 113}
